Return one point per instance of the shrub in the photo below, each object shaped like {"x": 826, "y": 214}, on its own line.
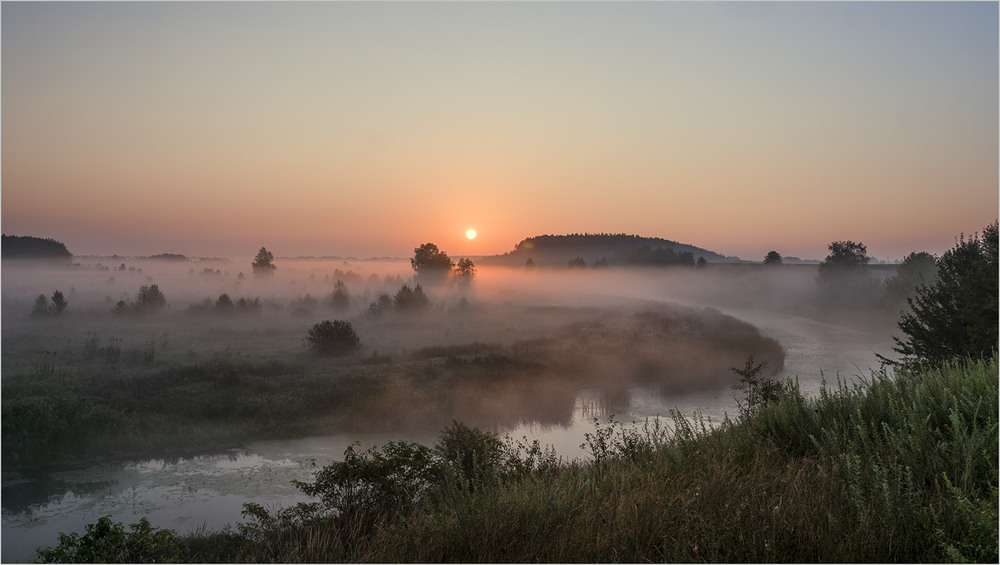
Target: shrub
{"x": 375, "y": 483}
{"x": 757, "y": 391}
{"x": 108, "y": 542}
{"x": 332, "y": 338}
{"x": 473, "y": 455}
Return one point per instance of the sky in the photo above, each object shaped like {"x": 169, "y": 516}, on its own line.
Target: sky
{"x": 367, "y": 129}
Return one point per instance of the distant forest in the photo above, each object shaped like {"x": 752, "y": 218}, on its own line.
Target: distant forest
{"x": 602, "y": 249}
{"x": 27, "y": 247}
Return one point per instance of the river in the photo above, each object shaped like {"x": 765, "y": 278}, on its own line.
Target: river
{"x": 208, "y": 490}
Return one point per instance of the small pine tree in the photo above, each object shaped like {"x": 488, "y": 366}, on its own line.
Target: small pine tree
{"x": 149, "y": 299}
{"x": 59, "y": 303}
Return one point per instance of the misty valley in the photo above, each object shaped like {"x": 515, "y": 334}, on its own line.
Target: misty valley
{"x": 187, "y": 412}
{"x": 303, "y": 409}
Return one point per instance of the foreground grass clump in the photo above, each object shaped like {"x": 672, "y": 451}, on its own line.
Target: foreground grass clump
{"x": 900, "y": 468}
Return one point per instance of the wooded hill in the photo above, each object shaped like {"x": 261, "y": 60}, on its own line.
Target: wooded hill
{"x": 614, "y": 249}
{"x": 27, "y": 247}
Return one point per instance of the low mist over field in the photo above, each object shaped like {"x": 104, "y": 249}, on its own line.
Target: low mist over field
{"x": 502, "y": 347}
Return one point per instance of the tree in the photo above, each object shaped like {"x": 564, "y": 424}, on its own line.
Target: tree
{"x": 262, "y": 264}
{"x": 224, "y": 305}
{"x": 410, "y": 299}
{"x": 955, "y": 316}
{"x": 844, "y": 256}
{"x": 339, "y": 298}
{"x": 59, "y": 303}
{"x": 41, "y": 308}
{"x": 334, "y": 338}
{"x": 149, "y": 299}
{"x": 577, "y": 263}
{"x": 916, "y": 269}
{"x": 430, "y": 263}
{"x": 249, "y": 305}
{"x": 773, "y": 258}
{"x": 379, "y": 306}
{"x": 843, "y": 275}
{"x": 465, "y": 270}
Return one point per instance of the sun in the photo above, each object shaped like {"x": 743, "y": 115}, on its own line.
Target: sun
{"x": 471, "y": 234}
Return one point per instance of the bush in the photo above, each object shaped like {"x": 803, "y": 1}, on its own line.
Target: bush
{"x": 375, "y": 483}
{"x": 108, "y": 542}
{"x": 332, "y": 338}
{"x": 758, "y": 391}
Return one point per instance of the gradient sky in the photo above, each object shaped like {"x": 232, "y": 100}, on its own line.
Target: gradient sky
{"x": 365, "y": 129}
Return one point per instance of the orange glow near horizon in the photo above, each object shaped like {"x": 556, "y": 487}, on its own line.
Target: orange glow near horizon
{"x": 363, "y": 129}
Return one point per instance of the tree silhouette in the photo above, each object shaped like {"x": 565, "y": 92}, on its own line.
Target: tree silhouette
{"x": 844, "y": 278}
{"x": 149, "y": 299}
{"x": 918, "y": 268}
{"x": 224, "y": 305}
{"x": 465, "y": 271}
{"x": 41, "y": 308}
{"x": 407, "y": 298}
{"x": 772, "y": 258}
{"x": 844, "y": 256}
{"x": 262, "y": 264}
{"x": 59, "y": 303}
{"x": 430, "y": 263}
{"x": 956, "y": 316}
{"x": 339, "y": 298}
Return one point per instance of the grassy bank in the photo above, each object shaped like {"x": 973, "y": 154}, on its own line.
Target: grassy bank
{"x": 901, "y": 468}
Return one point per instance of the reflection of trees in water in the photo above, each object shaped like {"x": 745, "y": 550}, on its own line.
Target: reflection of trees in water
{"x": 19, "y": 497}
{"x": 608, "y": 402}
{"x": 539, "y": 380}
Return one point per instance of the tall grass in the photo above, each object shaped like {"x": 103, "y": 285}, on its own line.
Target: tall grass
{"x": 900, "y": 468}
